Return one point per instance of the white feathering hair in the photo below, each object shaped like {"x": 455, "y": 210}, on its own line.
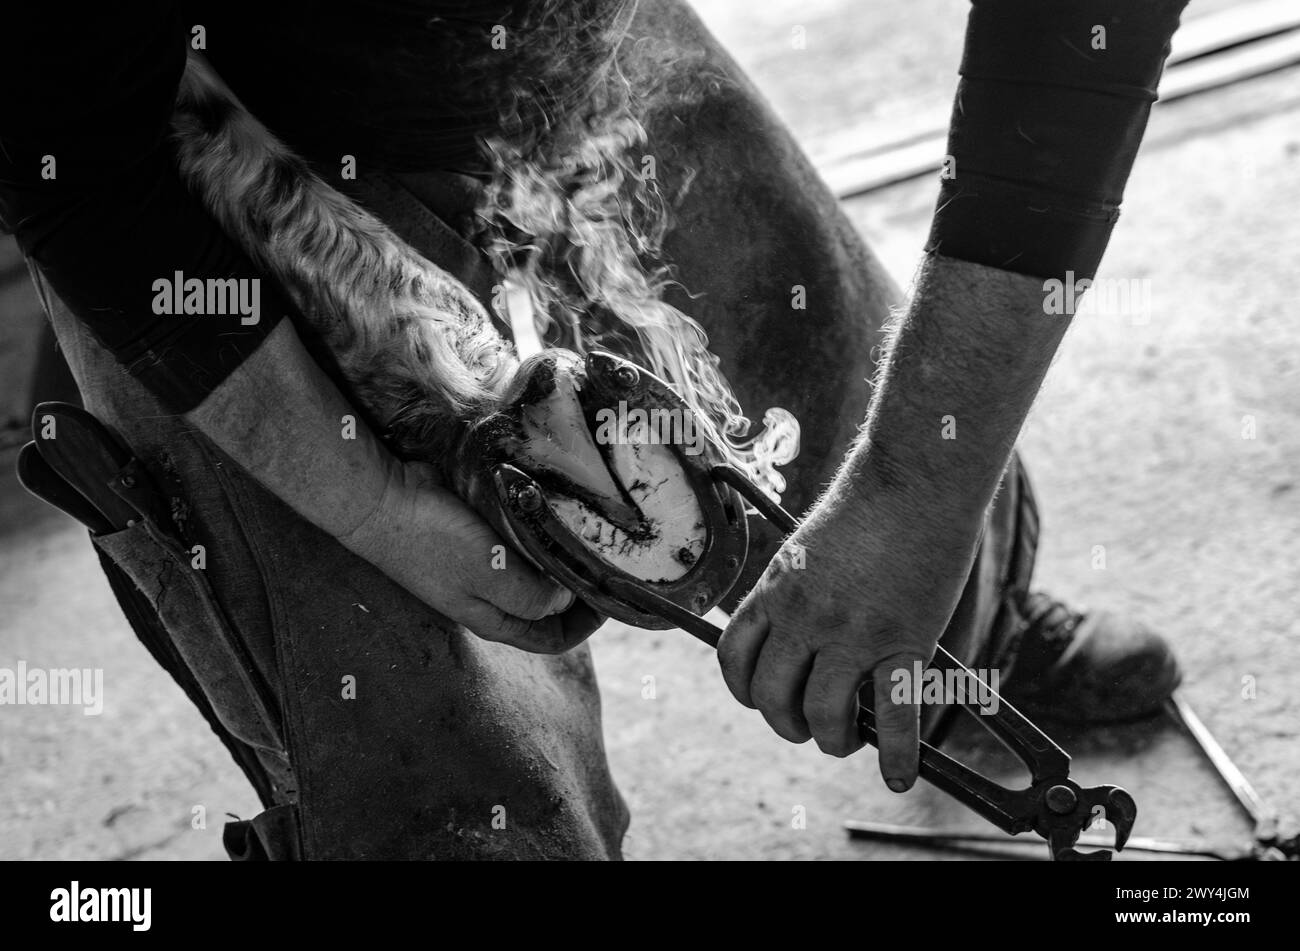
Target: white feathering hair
{"x": 418, "y": 350}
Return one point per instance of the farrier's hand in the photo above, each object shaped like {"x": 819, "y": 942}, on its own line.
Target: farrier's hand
{"x": 427, "y": 540}
{"x": 883, "y": 569}
{"x": 888, "y": 551}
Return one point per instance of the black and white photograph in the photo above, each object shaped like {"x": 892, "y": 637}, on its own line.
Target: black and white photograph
{"x": 661, "y": 430}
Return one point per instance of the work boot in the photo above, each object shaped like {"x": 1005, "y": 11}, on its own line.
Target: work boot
{"x": 1094, "y": 667}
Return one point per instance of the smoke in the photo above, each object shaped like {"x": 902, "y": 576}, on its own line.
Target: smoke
{"x": 566, "y": 206}
{"x": 572, "y": 211}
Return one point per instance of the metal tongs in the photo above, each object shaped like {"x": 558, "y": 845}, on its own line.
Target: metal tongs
{"x": 1053, "y": 805}
{"x": 1266, "y": 843}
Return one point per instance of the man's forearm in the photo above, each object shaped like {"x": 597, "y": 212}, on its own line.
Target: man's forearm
{"x": 968, "y": 358}
{"x": 961, "y": 371}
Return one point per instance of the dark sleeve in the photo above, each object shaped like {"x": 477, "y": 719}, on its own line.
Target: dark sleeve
{"x": 1049, "y": 114}
{"x": 89, "y": 186}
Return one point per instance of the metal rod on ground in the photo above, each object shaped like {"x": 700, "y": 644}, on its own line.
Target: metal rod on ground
{"x": 1232, "y": 777}
{"x": 945, "y": 838}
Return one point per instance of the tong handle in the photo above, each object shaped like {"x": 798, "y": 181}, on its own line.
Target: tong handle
{"x": 1001, "y": 806}
{"x": 769, "y": 509}
{"x": 1042, "y": 757}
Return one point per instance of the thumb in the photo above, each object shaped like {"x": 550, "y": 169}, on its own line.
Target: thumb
{"x": 898, "y": 719}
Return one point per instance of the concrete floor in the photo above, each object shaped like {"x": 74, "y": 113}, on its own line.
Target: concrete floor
{"x": 1135, "y": 444}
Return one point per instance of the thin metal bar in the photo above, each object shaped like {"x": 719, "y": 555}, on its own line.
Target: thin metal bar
{"x": 940, "y": 838}
{"x": 1232, "y": 777}
{"x": 650, "y": 603}
{"x": 755, "y": 496}
{"x": 1038, "y": 751}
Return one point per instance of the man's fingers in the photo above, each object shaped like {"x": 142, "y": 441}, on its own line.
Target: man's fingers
{"x": 830, "y": 704}
{"x": 739, "y": 647}
{"x": 579, "y": 623}
{"x": 523, "y": 592}
{"x": 778, "y": 686}
{"x": 545, "y": 636}
{"x": 898, "y": 724}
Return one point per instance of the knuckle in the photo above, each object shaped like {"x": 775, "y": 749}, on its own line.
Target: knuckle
{"x": 729, "y": 659}
{"x": 534, "y": 603}
{"x": 822, "y": 713}
{"x": 895, "y": 715}
{"x": 510, "y": 630}
{"x": 733, "y": 676}
{"x": 768, "y": 698}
